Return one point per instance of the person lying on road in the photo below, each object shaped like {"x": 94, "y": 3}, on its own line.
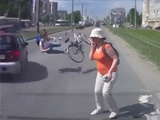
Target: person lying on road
{"x": 45, "y": 43}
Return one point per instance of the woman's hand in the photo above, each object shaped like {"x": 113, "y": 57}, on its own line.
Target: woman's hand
{"x": 45, "y": 50}
{"x": 107, "y": 77}
{"x": 93, "y": 45}
{"x": 93, "y": 48}
{"x": 52, "y": 38}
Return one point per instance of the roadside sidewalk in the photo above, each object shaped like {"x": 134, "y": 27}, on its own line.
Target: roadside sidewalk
{"x": 144, "y": 69}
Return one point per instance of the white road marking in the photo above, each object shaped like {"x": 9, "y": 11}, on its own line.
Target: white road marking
{"x": 158, "y": 110}
{"x": 144, "y": 99}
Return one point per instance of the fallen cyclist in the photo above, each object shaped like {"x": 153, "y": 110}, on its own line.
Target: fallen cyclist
{"x": 46, "y": 43}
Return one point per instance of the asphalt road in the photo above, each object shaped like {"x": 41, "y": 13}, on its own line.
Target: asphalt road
{"x": 56, "y": 88}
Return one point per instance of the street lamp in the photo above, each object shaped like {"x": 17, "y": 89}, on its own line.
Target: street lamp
{"x": 19, "y": 9}
{"x": 135, "y": 15}
{"x": 37, "y": 15}
{"x": 82, "y": 11}
{"x": 72, "y": 17}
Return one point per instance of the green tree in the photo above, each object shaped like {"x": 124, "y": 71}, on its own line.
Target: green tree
{"x": 25, "y": 9}
{"x": 68, "y": 17}
{"x": 131, "y": 17}
{"x": 16, "y": 6}
{"x": 3, "y": 6}
{"x": 76, "y": 16}
{"x": 45, "y": 19}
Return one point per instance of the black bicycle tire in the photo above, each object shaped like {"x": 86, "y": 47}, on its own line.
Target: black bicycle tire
{"x": 70, "y": 56}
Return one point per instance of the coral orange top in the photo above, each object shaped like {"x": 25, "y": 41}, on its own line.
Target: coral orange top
{"x": 103, "y": 62}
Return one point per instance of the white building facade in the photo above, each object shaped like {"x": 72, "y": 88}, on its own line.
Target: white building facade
{"x": 151, "y": 13}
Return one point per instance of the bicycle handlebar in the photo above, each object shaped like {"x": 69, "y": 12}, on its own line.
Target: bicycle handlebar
{"x": 78, "y": 37}
{"x": 67, "y": 40}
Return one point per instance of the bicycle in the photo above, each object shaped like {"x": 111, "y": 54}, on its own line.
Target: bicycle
{"x": 75, "y": 49}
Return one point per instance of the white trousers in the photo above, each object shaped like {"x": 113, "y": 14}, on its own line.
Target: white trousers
{"x": 103, "y": 91}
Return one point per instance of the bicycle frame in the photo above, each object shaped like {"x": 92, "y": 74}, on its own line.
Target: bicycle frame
{"x": 78, "y": 48}
{"x": 78, "y": 37}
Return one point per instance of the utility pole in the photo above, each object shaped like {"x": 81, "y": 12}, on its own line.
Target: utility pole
{"x": 19, "y": 10}
{"x": 33, "y": 11}
{"x": 51, "y": 14}
{"x": 135, "y": 15}
{"x": 86, "y": 13}
{"x": 93, "y": 15}
{"x": 37, "y": 15}
{"x": 72, "y": 16}
{"x": 130, "y": 18}
{"x": 82, "y": 11}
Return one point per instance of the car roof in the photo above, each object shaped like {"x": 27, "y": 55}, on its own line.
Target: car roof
{"x": 10, "y": 34}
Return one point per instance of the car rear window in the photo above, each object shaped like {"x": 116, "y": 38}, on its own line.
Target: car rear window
{"x": 7, "y": 42}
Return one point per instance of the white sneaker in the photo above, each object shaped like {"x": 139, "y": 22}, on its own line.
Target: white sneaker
{"x": 113, "y": 115}
{"x": 96, "y": 111}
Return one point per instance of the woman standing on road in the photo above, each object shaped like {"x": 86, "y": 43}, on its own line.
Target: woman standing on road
{"x": 107, "y": 72}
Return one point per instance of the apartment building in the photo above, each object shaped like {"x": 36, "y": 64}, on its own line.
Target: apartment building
{"x": 54, "y": 9}
{"x": 151, "y": 13}
{"x": 62, "y": 14}
{"x": 117, "y": 16}
{"x": 45, "y": 8}
{"x": 49, "y": 8}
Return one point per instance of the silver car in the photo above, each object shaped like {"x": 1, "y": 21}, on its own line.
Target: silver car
{"x": 13, "y": 53}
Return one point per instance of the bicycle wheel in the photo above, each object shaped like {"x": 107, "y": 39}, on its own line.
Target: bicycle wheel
{"x": 75, "y": 53}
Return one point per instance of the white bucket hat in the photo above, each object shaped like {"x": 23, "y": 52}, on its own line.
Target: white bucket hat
{"x": 98, "y": 33}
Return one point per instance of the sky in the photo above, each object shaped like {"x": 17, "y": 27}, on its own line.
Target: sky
{"x": 98, "y": 8}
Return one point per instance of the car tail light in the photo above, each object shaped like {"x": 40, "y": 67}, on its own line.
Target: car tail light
{"x": 10, "y": 56}
{"x": 14, "y": 55}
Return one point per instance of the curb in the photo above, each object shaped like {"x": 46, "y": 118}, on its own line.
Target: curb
{"x": 48, "y": 34}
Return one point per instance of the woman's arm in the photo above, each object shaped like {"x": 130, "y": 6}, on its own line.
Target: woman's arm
{"x": 41, "y": 47}
{"x": 111, "y": 53}
{"x": 93, "y": 48}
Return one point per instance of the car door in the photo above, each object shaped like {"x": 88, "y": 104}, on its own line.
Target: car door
{"x": 22, "y": 50}
{"x": 24, "y": 47}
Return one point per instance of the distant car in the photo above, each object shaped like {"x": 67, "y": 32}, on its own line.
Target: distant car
{"x": 79, "y": 26}
{"x": 97, "y": 24}
{"x": 146, "y": 26}
{"x": 13, "y": 54}
{"x": 114, "y": 26}
{"x": 103, "y": 23}
{"x": 157, "y": 28}
{"x": 88, "y": 24}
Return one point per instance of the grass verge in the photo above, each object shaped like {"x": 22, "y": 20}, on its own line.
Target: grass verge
{"x": 31, "y": 34}
{"x": 147, "y": 42}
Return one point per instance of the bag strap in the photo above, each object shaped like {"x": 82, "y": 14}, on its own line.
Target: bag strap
{"x": 104, "y": 50}
{"x": 105, "y": 53}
